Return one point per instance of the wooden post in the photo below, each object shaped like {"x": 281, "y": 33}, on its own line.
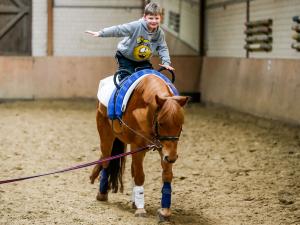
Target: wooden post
{"x": 50, "y": 28}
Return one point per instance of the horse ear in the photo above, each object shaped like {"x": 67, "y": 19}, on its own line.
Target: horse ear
{"x": 182, "y": 100}
{"x": 160, "y": 100}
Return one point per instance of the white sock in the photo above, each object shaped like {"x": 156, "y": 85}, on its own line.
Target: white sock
{"x": 139, "y": 201}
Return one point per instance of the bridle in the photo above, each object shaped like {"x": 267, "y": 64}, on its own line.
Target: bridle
{"x": 159, "y": 138}
{"x": 156, "y": 141}
{"x": 156, "y": 130}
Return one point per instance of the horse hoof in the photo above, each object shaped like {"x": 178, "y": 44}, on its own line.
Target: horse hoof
{"x": 102, "y": 197}
{"x": 140, "y": 213}
{"x": 163, "y": 219}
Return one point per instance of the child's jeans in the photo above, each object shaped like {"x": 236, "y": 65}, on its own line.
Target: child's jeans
{"x": 131, "y": 66}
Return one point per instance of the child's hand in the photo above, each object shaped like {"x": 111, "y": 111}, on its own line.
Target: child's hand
{"x": 95, "y": 34}
{"x": 167, "y": 67}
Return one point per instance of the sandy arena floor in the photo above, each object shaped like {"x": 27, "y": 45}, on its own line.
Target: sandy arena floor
{"x": 232, "y": 169}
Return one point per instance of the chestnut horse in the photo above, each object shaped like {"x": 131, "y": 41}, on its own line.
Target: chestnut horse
{"x": 153, "y": 113}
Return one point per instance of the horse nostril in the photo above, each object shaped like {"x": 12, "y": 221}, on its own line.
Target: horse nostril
{"x": 166, "y": 159}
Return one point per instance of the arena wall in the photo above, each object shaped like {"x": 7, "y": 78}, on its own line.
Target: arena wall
{"x": 76, "y": 77}
{"x": 267, "y": 88}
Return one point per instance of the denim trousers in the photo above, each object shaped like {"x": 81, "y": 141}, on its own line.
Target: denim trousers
{"x": 130, "y": 65}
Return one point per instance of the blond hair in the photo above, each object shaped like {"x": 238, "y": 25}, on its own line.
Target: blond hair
{"x": 153, "y": 9}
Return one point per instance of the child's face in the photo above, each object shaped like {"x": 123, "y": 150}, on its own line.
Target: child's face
{"x": 153, "y": 21}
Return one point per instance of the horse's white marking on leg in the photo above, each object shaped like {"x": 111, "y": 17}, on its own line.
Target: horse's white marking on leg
{"x": 139, "y": 197}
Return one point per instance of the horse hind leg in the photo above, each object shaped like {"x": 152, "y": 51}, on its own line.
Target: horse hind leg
{"x": 111, "y": 176}
{"x": 106, "y": 142}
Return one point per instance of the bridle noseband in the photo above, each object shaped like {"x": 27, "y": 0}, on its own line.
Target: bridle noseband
{"x": 159, "y": 137}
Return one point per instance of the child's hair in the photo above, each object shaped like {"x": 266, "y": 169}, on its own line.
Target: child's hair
{"x": 153, "y": 9}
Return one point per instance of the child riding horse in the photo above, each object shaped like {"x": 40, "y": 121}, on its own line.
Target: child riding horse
{"x": 153, "y": 114}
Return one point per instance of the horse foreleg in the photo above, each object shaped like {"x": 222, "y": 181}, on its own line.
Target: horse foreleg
{"x": 167, "y": 175}
{"x": 137, "y": 172}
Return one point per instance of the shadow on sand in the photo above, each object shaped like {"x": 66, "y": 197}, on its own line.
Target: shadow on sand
{"x": 179, "y": 217}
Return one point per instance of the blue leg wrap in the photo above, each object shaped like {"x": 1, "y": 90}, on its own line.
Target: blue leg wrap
{"x": 104, "y": 181}
{"x": 166, "y": 195}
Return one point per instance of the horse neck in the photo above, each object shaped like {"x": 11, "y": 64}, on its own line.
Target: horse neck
{"x": 153, "y": 86}
{"x": 145, "y": 93}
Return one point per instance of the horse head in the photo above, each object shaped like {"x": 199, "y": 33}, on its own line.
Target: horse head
{"x": 167, "y": 125}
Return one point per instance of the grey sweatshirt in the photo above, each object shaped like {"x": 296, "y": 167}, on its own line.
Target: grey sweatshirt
{"x": 139, "y": 44}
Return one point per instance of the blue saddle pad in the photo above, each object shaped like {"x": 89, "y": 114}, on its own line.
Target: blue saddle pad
{"x": 114, "y": 109}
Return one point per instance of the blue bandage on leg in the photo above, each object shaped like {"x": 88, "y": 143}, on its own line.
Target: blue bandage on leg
{"x": 104, "y": 181}
{"x": 166, "y": 195}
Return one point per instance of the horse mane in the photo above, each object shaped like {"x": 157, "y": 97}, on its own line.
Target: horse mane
{"x": 151, "y": 86}
{"x": 171, "y": 111}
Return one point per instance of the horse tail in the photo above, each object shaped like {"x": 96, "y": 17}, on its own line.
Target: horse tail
{"x": 116, "y": 167}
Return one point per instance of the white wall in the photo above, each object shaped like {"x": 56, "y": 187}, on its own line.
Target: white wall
{"x": 189, "y": 23}
{"x": 281, "y": 12}
{"x": 224, "y": 30}
{"x": 225, "y": 27}
{"x": 70, "y": 24}
{"x": 39, "y": 27}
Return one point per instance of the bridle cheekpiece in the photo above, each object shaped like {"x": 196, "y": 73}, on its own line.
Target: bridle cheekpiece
{"x": 157, "y": 136}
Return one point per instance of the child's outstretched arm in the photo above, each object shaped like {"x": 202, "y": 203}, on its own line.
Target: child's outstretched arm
{"x": 123, "y": 30}
{"x": 94, "y": 33}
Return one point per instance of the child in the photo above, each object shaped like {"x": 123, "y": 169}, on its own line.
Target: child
{"x": 142, "y": 38}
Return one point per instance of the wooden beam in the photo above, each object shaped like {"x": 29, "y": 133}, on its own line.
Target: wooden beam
{"x": 224, "y": 4}
{"x": 12, "y": 22}
{"x": 267, "y": 22}
{"x": 9, "y": 10}
{"x": 18, "y": 3}
{"x": 50, "y": 28}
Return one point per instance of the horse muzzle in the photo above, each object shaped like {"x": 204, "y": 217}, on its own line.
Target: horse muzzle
{"x": 168, "y": 160}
